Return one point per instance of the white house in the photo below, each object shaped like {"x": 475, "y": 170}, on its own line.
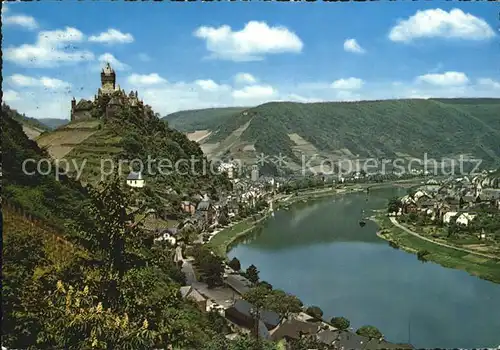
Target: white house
{"x": 420, "y": 195}
{"x": 135, "y": 179}
{"x": 465, "y": 219}
{"x": 447, "y": 216}
{"x": 169, "y": 236}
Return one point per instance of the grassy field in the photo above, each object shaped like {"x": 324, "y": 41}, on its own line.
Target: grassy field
{"x": 475, "y": 265}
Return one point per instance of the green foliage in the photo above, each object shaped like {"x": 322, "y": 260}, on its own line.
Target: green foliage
{"x": 243, "y": 342}
{"x": 235, "y": 264}
{"x": 375, "y": 129}
{"x": 277, "y": 300}
{"x": 265, "y": 284}
{"x": 23, "y": 119}
{"x": 394, "y": 205}
{"x": 76, "y": 319}
{"x": 421, "y": 255}
{"x": 117, "y": 288}
{"x": 307, "y": 342}
{"x": 315, "y": 311}
{"x": 210, "y": 266}
{"x": 252, "y": 274}
{"x": 201, "y": 119}
{"x": 43, "y": 196}
{"x": 340, "y": 323}
{"x": 370, "y": 332}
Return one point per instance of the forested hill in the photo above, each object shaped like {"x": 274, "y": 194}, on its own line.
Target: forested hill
{"x": 387, "y": 129}
{"x": 132, "y": 133}
{"x": 79, "y": 273}
{"x": 200, "y": 119}
{"x": 39, "y": 195}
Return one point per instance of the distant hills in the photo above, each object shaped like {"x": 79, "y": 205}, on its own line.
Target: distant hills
{"x": 199, "y": 119}
{"x": 33, "y": 127}
{"x": 367, "y": 129}
{"x": 53, "y": 123}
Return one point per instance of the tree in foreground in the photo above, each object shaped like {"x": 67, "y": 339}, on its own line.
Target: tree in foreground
{"x": 273, "y": 300}
{"x": 370, "y": 332}
{"x": 76, "y": 318}
{"x": 307, "y": 342}
{"x": 252, "y": 274}
{"x": 235, "y": 264}
{"x": 340, "y": 323}
{"x": 315, "y": 311}
{"x": 119, "y": 293}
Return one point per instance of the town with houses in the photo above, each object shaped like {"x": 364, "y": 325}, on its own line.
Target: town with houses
{"x": 455, "y": 201}
{"x": 436, "y": 209}
{"x": 440, "y": 209}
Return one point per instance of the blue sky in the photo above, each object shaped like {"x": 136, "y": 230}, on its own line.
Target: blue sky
{"x": 197, "y": 55}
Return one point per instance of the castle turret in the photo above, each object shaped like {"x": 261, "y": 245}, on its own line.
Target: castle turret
{"x": 73, "y": 105}
{"x": 108, "y": 79}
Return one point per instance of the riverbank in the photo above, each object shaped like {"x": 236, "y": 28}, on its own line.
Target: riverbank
{"x": 222, "y": 240}
{"x": 475, "y": 265}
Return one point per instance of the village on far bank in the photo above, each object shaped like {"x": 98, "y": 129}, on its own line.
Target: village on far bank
{"x": 462, "y": 212}
{"x": 252, "y": 306}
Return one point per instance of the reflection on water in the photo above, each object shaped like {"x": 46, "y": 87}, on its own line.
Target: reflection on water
{"x": 327, "y": 259}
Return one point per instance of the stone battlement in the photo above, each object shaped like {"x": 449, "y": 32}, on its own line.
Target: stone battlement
{"x": 110, "y": 92}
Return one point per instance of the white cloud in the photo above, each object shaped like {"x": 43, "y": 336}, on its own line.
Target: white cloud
{"x": 145, "y": 79}
{"x": 113, "y": 61}
{"x": 252, "y": 43}
{"x": 444, "y": 79}
{"x": 38, "y": 97}
{"x": 45, "y": 82}
{"x": 348, "y": 84}
{"x": 10, "y": 96}
{"x": 210, "y": 85}
{"x": 51, "y": 49}
{"x": 437, "y": 23}
{"x": 144, "y": 57}
{"x": 24, "y": 21}
{"x": 487, "y": 82}
{"x": 351, "y": 45}
{"x": 301, "y": 99}
{"x": 244, "y": 78}
{"x": 40, "y": 102}
{"x": 112, "y": 36}
{"x": 255, "y": 92}
{"x": 174, "y": 96}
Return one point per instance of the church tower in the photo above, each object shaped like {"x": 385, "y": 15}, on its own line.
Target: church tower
{"x": 108, "y": 79}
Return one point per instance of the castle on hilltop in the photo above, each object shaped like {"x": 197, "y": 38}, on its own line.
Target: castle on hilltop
{"x": 109, "y": 96}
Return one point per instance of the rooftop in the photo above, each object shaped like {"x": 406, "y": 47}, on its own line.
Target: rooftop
{"x": 134, "y": 176}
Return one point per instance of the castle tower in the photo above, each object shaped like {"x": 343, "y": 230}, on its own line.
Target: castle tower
{"x": 73, "y": 105}
{"x": 108, "y": 79}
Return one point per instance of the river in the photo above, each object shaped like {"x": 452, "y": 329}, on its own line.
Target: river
{"x": 318, "y": 252}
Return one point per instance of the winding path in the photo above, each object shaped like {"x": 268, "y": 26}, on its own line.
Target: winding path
{"x": 397, "y": 224}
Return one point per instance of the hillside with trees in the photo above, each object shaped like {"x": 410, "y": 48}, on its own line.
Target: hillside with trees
{"x": 375, "y": 129}
{"x": 32, "y": 127}
{"x": 129, "y": 134}
{"x": 201, "y": 119}
{"x": 80, "y": 273}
